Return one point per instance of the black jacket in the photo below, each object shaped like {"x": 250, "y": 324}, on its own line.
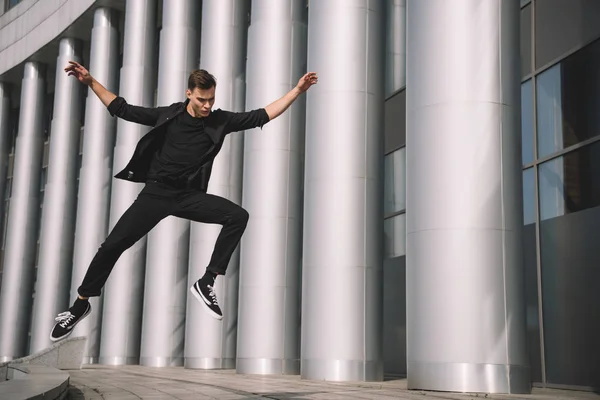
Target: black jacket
{"x": 217, "y": 125}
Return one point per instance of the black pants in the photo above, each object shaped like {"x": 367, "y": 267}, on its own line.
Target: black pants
{"x": 155, "y": 202}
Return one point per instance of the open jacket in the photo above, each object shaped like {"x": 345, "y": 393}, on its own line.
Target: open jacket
{"x": 217, "y": 125}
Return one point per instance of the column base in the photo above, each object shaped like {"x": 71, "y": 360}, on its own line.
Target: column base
{"x": 267, "y": 366}
{"x": 161, "y": 361}
{"x": 119, "y": 360}
{"x": 209, "y": 363}
{"x": 472, "y": 378}
{"x": 4, "y": 359}
{"x": 342, "y": 370}
{"x": 89, "y": 360}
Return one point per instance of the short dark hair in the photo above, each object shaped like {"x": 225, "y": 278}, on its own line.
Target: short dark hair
{"x": 201, "y": 79}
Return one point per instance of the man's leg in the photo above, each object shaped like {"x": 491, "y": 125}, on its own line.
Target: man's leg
{"x": 138, "y": 220}
{"x": 207, "y": 208}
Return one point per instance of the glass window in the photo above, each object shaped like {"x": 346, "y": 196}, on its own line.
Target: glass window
{"x": 568, "y": 100}
{"x": 549, "y": 112}
{"x": 528, "y": 196}
{"x": 525, "y": 2}
{"x": 395, "y": 181}
{"x": 395, "y": 236}
{"x": 570, "y": 183}
{"x": 11, "y": 3}
{"x": 527, "y": 121}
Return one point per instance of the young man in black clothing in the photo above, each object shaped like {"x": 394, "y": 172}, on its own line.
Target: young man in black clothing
{"x": 174, "y": 160}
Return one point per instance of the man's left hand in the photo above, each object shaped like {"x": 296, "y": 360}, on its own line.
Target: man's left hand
{"x": 309, "y": 79}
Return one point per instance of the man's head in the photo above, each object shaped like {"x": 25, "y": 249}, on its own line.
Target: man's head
{"x": 201, "y": 92}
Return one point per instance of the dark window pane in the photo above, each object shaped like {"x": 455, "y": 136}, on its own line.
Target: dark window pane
{"x": 531, "y": 297}
{"x": 570, "y": 277}
{"x": 563, "y": 25}
{"x": 528, "y": 196}
{"x": 525, "y": 40}
{"x": 527, "y": 121}
{"x": 394, "y": 230}
{"x": 395, "y": 122}
{"x": 570, "y": 183}
{"x": 394, "y": 182}
{"x": 549, "y": 112}
{"x": 568, "y": 100}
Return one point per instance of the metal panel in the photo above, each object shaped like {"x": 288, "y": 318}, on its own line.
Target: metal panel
{"x": 223, "y": 54}
{"x": 578, "y": 22}
{"x": 22, "y": 229}
{"x": 464, "y": 198}
{"x": 394, "y": 316}
{"x": 526, "y": 42}
{"x": 269, "y": 316}
{"x": 395, "y": 122}
{"x": 96, "y": 170}
{"x": 164, "y": 314}
{"x": 123, "y": 296}
{"x": 5, "y": 143}
{"x": 570, "y": 294}
{"x": 343, "y": 209}
{"x": 395, "y": 40}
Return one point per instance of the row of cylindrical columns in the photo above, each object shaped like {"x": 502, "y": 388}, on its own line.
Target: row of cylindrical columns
{"x": 309, "y": 269}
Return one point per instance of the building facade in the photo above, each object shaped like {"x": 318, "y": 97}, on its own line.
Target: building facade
{"x": 427, "y": 210}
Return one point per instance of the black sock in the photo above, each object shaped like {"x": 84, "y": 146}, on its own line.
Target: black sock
{"x": 210, "y": 276}
{"x": 79, "y": 306}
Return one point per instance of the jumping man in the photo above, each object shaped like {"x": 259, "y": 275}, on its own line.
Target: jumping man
{"x": 174, "y": 160}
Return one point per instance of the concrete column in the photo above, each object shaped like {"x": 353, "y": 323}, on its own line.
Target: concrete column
{"x": 271, "y": 250}
{"x": 395, "y": 43}
{"x": 5, "y": 119}
{"x": 223, "y": 54}
{"x": 464, "y": 276}
{"x": 123, "y": 300}
{"x": 343, "y": 208}
{"x": 60, "y": 199}
{"x": 96, "y": 171}
{"x": 166, "y": 285}
{"x": 22, "y": 230}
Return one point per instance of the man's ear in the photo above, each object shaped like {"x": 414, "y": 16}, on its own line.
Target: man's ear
{"x": 188, "y": 93}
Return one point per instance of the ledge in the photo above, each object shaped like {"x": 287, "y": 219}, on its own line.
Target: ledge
{"x": 27, "y": 381}
{"x": 32, "y": 24}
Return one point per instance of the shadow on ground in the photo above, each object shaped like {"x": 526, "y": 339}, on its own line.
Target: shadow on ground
{"x": 74, "y": 394}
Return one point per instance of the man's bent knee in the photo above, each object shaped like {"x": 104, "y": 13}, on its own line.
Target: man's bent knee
{"x": 240, "y": 217}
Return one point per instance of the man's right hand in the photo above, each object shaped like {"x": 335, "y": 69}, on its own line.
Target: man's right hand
{"x": 78, "y": 71}
{"x": 83, "y": 76}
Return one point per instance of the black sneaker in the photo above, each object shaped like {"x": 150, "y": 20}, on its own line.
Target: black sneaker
{"x": 65, "y": 322}
{"x": 205, "y": 293}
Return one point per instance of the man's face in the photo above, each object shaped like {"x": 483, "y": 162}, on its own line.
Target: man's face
{"x": 201, "y": 101}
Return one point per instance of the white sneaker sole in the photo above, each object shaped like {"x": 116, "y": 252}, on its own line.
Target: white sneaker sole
{"x": 71, "y": 331}
{"x": 202, "y": 301}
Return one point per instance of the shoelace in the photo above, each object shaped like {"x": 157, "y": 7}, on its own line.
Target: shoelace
{"x": 64, "y": 318}
{"x": 212, "y": 294}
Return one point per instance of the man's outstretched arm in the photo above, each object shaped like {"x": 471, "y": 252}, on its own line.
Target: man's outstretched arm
{"x": 83, "y": 75}
{"x": 276, "y": 108}
{"x": 257, "y": 118}
{"x": 120, "y": 108}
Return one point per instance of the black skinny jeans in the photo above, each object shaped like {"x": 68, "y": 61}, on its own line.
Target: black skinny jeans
{"x": 155, "y": 202}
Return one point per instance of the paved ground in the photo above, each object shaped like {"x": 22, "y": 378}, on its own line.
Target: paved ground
{"x": 98, "y": 382}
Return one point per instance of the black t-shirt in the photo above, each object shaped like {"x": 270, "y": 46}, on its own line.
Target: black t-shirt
{"x": 181, "y": 154}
